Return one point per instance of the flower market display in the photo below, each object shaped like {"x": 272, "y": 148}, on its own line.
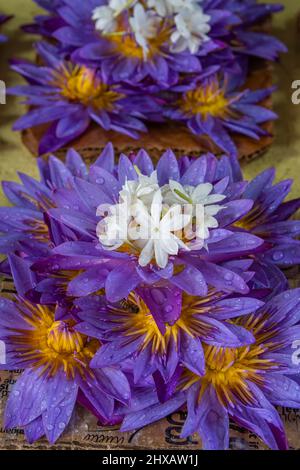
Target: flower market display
{"x": 152, "y": 281}
{"x": 144, "y": 289}
{"x": 124, "y": 64}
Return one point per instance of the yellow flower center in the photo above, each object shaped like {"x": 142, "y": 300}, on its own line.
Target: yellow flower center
{"x": 82, "y": 85}
{"x": 140, "y": 322}
{"x": 52, "y": 345}
{"x": 62, "y": 338}
{"x": 229, "y": 370}
{"x": 126, "y": 45}
{"x": 207, "y": 101}
{"x": 252, "y": 219}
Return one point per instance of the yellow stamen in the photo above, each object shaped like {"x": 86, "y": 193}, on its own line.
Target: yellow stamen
{"x": 53, "y": 345}
{"x": 141, "y": 323}
{"x": 230, "y": 370}
{"x": 252, "y": 219}
{"x": 126, "y": 45}
{"x": 64, "y": 339}
{"x": 39, "y": 230}
{"x": 82, "y": 85}
{"x": 208, "y": 100}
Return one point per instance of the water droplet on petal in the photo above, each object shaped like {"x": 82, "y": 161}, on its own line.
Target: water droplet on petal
{"x": 158, "y": 296}
{"x": 228, "y": 276}
{"x": 168, "y": 309}
{"x": 278, "y": 255}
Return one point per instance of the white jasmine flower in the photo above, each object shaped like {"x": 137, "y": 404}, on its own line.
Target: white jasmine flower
{"x": 155, "y": 223}
{"x": 203, "y": 204}
{"x": 105, "y": 16}
{"x": 118, "y": 220}
{"x": 105, "y": 20}
{"x": 192, "y": 27}
{"x": 143, "y": 189}
{"x": 144, "y": 24}
{"x": 112, "y": 230}
{"x": 162, "y": 241}
{"x": 120, "y": 5}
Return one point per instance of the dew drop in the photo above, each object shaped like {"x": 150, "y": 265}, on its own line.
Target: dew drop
{"x": 278, "y": 255}
{"x": 158, "y": 296}
{"x": 228, "y": 276}
{"x": 100, "y": 180}
{"x": 168, "y": 309}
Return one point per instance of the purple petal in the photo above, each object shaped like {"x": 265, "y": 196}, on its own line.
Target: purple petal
{"x": 196, "y": 172}
{"x": 190, "y": 280}
{"x": 26, "y": 401}
{"x": 121, "y": 281}
{"x": 192, "y": 354}
{"x": 24, "y": 278}
{"x": 233, "y": 211}
{"x": 152, "y": 414}
{"x": 44, "y": 115}
{"x": 232, "y": 308}
{"x": 126, "y": 170}
{"x": 164, "y": 303}
{"x": 88, "y": 282}
{"x": 75, "y": 164}
{"x": 167, "y": 168}
{"x": 265, "y": 423}
{"x": 144, "y": 162}
{"x": 282, "y": 391}
{"x": 107, "y": 158}
{"x": 212, "y": 422}
{"x": 114, "y": 353}
{"x": 103, "y": 404}
{"x": 222, "y": 278}
{"x": 34, "y": 430}
{"x": 114, "y": 383}
{"x": 60, "y": 406}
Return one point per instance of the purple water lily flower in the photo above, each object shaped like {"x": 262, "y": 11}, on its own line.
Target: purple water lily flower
{"x": 215, "y": 108}
{"x": 188, "y": 265}
{"x": 60, "y": 211}
{"x": 70, "y": 97}
{"x": 24, "y": 227}
{"x": 226, "y": 36}
{"x": 271, "y": 218}
{"x": 55, "y": 358}
{"x": 254, "y": 43}
{"x": 130, "y": 331}
{"x": 243, "y": 384}
{"x": 122, "y": 57}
